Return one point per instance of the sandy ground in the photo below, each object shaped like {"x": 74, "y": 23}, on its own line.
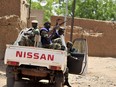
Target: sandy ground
{"x": 101, "y": 73}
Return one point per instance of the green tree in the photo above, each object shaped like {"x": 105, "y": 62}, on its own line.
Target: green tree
{"x": 47, "y": 9}
{"x": 92, "y": 9}
{"x": 95, "y": 9}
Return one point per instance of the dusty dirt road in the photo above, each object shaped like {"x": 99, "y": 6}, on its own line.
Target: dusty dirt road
{"x": 101, "y": 73}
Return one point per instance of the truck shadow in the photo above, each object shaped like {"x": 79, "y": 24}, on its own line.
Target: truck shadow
{"x": 2, "y": 66}
{"x": 30, "y": 84}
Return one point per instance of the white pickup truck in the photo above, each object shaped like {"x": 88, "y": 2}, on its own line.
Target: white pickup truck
{"x": 34, "y": 63}
{"x": 39, "y": 63}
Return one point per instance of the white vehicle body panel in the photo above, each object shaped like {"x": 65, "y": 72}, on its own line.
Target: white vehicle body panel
{"x": 36, "y": 56}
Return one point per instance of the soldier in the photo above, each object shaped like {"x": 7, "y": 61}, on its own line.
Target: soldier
{"x": 56, "y": 39}
{"x": 58, "y": 32}
{"x": 70, "y": 47}
{"x": 66, "y": 78}
{"x": 44, "y": 32}
{"x": 31, "y": 35}
{"x": 70, "y": 50}
{"x": 57, "y": 44}
{"x": 47, "y": 35}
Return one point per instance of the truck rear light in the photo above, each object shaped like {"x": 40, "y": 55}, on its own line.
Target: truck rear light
{"x": 14, "y": 63}
{"x": 55, "y": 67}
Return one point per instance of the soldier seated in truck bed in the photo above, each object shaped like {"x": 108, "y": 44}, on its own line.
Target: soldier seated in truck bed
{"x": 31, "y": 35}
{"x": 56, "y": 40}
{"x": 45, "y": 35}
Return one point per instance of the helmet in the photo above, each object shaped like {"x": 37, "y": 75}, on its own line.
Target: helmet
{"x": 34, "y": 21}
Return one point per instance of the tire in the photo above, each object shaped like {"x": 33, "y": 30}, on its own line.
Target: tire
{"x": 10, "y": 76}
{"x": 58, "y": 82}
{"x": 18, "y": 77}
{"x": 10, "y": 82}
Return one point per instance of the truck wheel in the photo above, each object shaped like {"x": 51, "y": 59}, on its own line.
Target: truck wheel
{"x": 18, "y": 77}
{"x": 10, "y": 76}
{"x": 58, "y": 82}
{"x": 10, "y": 82}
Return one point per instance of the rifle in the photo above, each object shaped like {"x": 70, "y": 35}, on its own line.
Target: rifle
{"x": 57, "y": 25}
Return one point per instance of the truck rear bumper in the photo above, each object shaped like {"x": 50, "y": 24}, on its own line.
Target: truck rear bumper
{"x": 34, "y": 72}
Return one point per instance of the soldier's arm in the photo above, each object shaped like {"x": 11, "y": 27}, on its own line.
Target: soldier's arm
{"x": 36, "y": 32}
{"x": 44, "y": 34}
{"x": 53, "y": 32}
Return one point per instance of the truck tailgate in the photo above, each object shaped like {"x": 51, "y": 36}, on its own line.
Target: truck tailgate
{"x": 36, "y": 56}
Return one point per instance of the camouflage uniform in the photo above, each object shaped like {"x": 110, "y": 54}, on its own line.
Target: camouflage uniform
{"x": 30, "y": 35}
{"x": 56, "y": 40}
{"x": 45, "y": 38}
{"x": 70, "y": 48}
{"x": 28, "y": 39}
{"x": 56, "y": 44}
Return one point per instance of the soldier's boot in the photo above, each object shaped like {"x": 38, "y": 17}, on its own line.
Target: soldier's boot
{"x": 67, "y": 83}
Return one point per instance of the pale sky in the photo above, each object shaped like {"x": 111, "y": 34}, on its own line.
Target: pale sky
{"x": 34, "y": 0}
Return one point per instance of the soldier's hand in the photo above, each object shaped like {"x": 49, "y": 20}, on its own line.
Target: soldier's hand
{"x": 56, "y": 27}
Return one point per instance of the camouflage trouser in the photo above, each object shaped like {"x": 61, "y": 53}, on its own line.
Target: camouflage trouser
{"x": 66, "y": 73}
{"x": 26, "y": 42}
{"x": 66, "y": 78}
{"x": 56, "y": 44}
